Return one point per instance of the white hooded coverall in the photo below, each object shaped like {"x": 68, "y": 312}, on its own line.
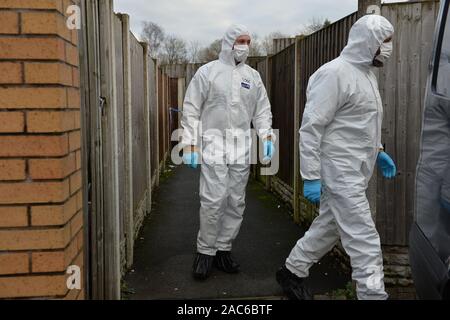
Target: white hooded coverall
{"x": 340, "y": 139}
{"x": 222, "y": 100}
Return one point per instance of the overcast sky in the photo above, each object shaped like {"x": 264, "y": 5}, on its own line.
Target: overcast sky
{"x": 207, "y": 20}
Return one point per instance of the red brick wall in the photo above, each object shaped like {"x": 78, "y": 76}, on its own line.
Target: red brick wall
{"x": 41, "y": 217}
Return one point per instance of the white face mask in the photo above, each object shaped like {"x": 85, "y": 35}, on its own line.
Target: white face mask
{"x": 386, "y": 51}
{"x": 241, "y": 52}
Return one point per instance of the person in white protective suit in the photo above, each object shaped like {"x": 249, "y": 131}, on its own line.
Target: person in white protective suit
{"x": 340, "y": 143}
{"x": 223, "y": 99}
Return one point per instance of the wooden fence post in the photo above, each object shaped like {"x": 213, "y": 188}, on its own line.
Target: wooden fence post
{"x": 85, "y": 128}
{"x": 166, "y": 119}
{"x": 129, "y": 214}
{"x": 109, "y": 140}
{"x": 147, "y": 125}
{"x": 95, "y": 221}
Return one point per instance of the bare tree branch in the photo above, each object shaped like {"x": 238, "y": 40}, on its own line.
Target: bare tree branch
{"x": 211, "y": 52}
{"x": 175, "y": 51}
{"x": 154, "y": 35}
{"x": 256, "y": 48}
{"x": 194, "y": 51}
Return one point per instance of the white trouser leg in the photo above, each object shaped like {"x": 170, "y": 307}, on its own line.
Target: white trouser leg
{"x": 234, "y": 207}
{"x": 321, "y": 237}
{"x": 213, "y": 192}
{"x": 361, "y": 241}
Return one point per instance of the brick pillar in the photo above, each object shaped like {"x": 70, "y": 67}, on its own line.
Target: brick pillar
{"x": 41, "y": 217}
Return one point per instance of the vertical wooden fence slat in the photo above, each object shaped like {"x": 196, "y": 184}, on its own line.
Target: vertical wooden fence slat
{"x": 96, "y": 240}
{"x": 128, "y": 196}
{"x": 121, "y": 150}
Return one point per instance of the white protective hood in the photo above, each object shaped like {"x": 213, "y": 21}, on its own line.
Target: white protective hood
{"x": 233, "y": 32}
{"x": 366, "y": 37}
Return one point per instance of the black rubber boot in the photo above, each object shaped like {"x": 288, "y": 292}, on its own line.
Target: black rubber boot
{"x": 202, "y": 266}
{"x": 293, "y": 286}
{"x": 225, "y": 262}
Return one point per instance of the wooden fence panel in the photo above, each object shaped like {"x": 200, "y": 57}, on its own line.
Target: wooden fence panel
{"x": 174, "y": 70}
{"x": 402, "y": 86}
{"x": 152, "y": 74}
{"x": 160, "y": 115}
{"x": 172, "y": 106}
{"x": 262, "y": 67}
{"x": 138, "y": 123}
{"x": 282, "y": 99}
{"x": 281, "y": 44}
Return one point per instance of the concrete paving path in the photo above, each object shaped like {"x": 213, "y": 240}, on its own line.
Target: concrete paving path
{"x": 166, "y": 245}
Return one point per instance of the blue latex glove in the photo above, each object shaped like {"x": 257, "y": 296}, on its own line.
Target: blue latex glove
{"x": 312, "y": 190}
{"x": 191, "y": 159}
{"x": 386, "y": 165}
{"x": 269, "y": 150}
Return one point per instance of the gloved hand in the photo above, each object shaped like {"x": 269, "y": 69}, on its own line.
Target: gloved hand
{"x": 269, "y": 150}
{"x": 386, "y": 165}
{"x": 312, "y": 190}
{"x": 191, "y": 159}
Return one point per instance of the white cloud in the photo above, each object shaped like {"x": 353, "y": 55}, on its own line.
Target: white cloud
{"x": 205, "y": 21}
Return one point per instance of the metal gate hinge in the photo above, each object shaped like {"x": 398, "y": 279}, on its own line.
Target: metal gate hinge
{"x": 102, "y": 104}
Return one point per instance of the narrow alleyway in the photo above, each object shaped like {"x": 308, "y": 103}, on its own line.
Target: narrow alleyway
{"x": 165, "y": 247}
